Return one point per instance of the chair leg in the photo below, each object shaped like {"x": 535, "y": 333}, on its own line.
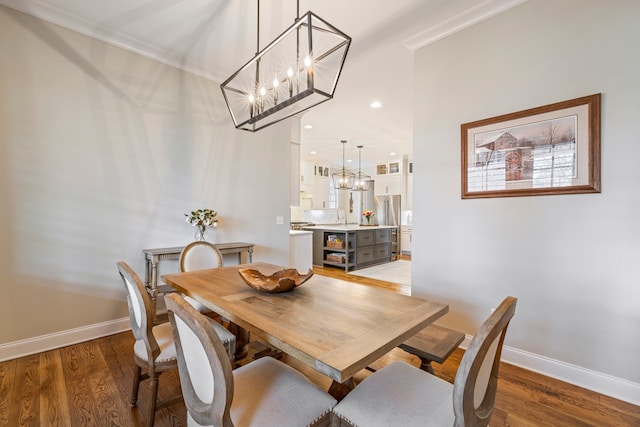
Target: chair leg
{"x": 153, "y": 396}
{"x": 135, "y": 386}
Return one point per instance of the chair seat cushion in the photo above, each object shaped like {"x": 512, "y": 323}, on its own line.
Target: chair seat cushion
{"x": 399, "y": 395}
{"x": 227, "y": 338}
{"x": 270, "y": 393}
{"x": 197, "y": 305}
{"x": 164, "y": 336}
{"x": 200, "y": 307}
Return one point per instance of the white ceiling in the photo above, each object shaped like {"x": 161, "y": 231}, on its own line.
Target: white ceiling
{"x": 213, "y": 38}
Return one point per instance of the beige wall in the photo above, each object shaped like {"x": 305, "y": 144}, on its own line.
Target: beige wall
{"x": 102, "y": 151}
{"x": 573, "y": 261}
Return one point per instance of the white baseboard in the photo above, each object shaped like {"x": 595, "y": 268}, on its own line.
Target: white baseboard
{"x": 601, "y": 383}
{"x": 608, "y": 385}
{"x": 47, "y": 342}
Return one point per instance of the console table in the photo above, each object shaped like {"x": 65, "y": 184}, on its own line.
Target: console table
{"x": 153, "y": 256}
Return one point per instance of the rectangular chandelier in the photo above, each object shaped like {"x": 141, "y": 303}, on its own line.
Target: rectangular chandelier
{"x": 296, "y": 71}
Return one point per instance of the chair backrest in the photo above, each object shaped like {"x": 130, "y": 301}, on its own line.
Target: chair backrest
{"x": 199, "y": 256}
{"x": 476, "y": 383}
{"x": 140, "y": 310}
{"x": 205, "y": 371}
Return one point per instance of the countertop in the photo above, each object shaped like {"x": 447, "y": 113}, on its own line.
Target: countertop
{"x": 350, "y": 227}
{"x": 298, "y": 232}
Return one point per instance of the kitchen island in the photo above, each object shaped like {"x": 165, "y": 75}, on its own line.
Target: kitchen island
{"x": 353, "y": 246}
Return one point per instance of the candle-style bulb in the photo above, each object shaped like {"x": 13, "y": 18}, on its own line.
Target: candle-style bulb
{"x": 263, "y": 92}
{"x": 289, "y": 82}
{"x": 308, "y": 63}
{"x": 251, "y": 100}
{"x": 276, "y": 83}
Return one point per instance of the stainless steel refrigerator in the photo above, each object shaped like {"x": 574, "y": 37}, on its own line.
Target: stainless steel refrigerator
{"x": 387, "y": 212}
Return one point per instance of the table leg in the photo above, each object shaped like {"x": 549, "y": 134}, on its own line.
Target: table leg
{"x": 339, "y": 391}
{"x": 147, "y": 272}
{"x": 250, "y": 254}
{"x": 242, "y": 339}
{"x": 154, "y": 286}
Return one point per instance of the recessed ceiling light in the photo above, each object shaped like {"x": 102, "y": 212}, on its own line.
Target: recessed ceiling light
{"x": 392, "y": 154}
{"x": 349, "y": 160}
{"x": 376, "y": 104}
{"x": 308, "y": 127}
{"x": 313, "y": 152}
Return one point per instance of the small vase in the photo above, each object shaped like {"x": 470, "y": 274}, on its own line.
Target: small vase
{"x": 200, "y": 234}
{"x": 368, "y": 220}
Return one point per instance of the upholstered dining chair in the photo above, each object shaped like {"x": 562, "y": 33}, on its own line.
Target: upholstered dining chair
{"x": 402, "y": 395}
{"x": 265, "y": 392}
{"x": 154, "y": 349}
{"x": 199, "y": 255}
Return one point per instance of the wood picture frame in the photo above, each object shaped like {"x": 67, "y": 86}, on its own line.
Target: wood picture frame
{"x": 553, "y": 149}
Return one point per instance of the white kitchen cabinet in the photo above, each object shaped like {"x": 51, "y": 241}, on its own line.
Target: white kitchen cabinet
{"x": 388, "y": 184}
{"x": 306, "y": 173}
{"x": 307, "y": 186}
{"x": 321, "y": 192}
{"x": 405, "y": 241}
{"x": 314, "y": 187}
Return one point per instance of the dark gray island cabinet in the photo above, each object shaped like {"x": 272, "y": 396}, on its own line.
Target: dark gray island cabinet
{"x": 353, "y": 247}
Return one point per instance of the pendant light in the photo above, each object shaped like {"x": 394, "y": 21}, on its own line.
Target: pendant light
{"x": 296, "y": 71}
{"x": 361, "y": 181}
{"x": 343, "y": 179}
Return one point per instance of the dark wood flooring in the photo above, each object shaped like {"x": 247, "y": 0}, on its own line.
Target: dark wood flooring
{"x": 88, "y": 384}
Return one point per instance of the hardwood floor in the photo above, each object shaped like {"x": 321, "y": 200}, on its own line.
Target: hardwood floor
{"x": 89, "y": 384}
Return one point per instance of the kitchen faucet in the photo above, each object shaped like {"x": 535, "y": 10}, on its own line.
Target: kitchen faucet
{"x": 345, "y": 215}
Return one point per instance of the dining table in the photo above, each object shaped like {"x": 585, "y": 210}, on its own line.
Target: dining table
{"x": 333, "y": 326}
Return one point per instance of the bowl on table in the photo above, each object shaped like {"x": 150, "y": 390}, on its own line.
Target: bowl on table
{"x": 280, "y": 281}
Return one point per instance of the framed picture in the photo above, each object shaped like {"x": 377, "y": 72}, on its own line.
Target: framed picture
{"x": 553, "y": 149}
{"x": 326, "y": 172}
{"x": 381, "y": 169}
{"x": 394, "y": 167}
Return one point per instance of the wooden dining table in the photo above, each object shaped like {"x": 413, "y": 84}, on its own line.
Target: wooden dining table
{"x": 333, "y": 326}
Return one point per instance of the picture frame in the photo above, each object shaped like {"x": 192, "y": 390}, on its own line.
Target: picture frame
{"x": 547, "y": 150}
{"x": 326, "y": 172}
{"x": 381, "y": 169}
{"x": 394, "y": 167}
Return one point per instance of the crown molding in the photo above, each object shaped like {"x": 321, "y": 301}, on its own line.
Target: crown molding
{"x": 469, "y": 17}
{"x": 57, "y": 16}
{"x": 42, "y": 10}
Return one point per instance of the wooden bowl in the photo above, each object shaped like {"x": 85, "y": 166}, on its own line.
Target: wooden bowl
{"x": 280, "y": 281}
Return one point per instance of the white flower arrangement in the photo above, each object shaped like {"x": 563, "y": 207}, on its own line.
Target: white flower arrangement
{"x": 202, "y": 218}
